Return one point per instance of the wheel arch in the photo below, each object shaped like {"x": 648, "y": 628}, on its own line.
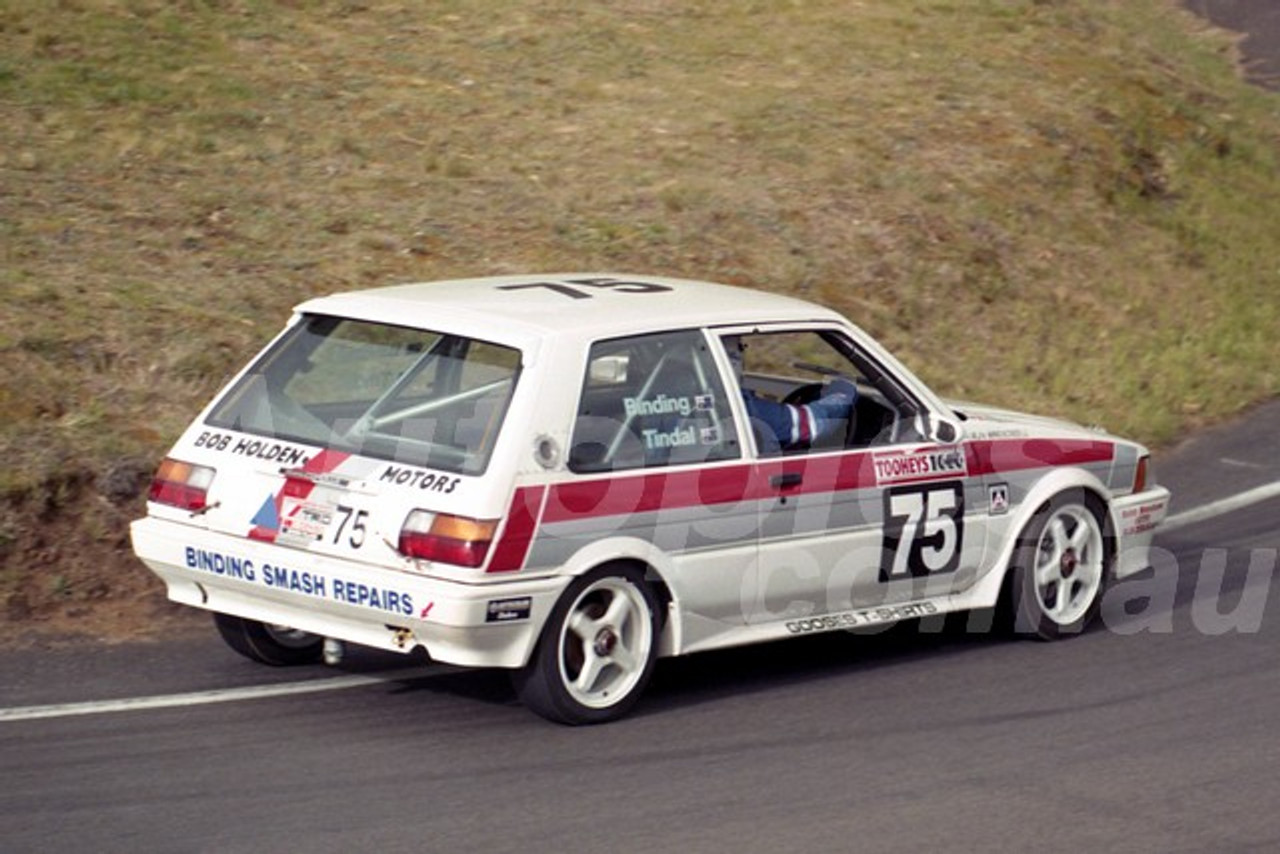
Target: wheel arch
{"x": 1021, "y": 608}
{"x": 653, "y": 563}
{"x": 1056, "y": 483}
{"x": 551, "y": 683}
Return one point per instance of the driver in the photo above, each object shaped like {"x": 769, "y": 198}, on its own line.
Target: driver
{"x": 795, "y": 426}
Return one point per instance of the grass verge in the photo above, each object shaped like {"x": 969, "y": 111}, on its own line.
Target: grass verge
{"x": 1067, "y": 207}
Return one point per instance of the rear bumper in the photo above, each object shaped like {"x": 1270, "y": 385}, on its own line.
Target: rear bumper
{"x": 494, "y": 624}
{"x": 1137, "y": 517}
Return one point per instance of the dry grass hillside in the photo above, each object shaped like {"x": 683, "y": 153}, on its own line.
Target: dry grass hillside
{"x": 1071, "y": 206}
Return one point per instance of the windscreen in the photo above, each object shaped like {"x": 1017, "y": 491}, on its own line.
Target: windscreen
{"x": 409, "y": 395}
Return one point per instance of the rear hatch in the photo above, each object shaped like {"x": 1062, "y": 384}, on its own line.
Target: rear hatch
{"x": 343, "y": 429}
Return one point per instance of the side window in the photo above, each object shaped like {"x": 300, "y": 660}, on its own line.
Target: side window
{"x": 651, "y": 400}
{"x": 810, "y": 390}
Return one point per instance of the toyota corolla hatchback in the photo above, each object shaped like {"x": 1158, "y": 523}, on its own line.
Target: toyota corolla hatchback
{"x": 572, "y": 476}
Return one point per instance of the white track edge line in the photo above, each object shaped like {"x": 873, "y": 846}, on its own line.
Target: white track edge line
{"x": 1221, "y": 507}
{"x": 200, "y": 698}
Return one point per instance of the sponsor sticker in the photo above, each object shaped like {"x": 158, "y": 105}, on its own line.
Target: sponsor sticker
{"x": 305, "y": 582}
{"x": 999, "y": 499}
{"x": 508, "y": 610}
{"x": 303, "y": 522}
{"x": 1140, "y": 520}
{"x": 925, "y": 464}
{"x": 258, "y": 449}
{"x": 419, "y": 478}
{"x": 860, "y": 618}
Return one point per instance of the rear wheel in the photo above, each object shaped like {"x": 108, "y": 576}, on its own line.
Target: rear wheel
{"x": 597, "y": 650}
{"x": 279, "y": 646}
{"x": 1060, "y": 568}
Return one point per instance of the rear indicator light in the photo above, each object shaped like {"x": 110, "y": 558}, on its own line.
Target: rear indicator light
{"x": 1140, "y": 476}
{"x": 447, "y": 539}
{"x": 180, "y": 484}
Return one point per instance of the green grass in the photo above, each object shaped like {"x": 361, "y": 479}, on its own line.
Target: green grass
{"x": 1071, "y": 208}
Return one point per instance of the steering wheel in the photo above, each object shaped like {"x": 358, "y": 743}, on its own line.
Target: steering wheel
{"x": 808, "y": 393}
{"x": 802, "y": 394}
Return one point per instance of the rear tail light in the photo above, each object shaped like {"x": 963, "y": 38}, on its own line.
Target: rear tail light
{"x": 448, "y": 539}
{"x": 180, "y": 484}
{"x": 1142, "y": 474}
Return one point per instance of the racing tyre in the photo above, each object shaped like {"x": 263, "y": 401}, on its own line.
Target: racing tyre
{"x": 1060, "y": 568}
{"x": 597, "y": 650}
{"x": 279, "y": 646}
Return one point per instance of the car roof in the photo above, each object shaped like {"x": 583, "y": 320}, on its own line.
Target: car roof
{"x": 586, "y": 305}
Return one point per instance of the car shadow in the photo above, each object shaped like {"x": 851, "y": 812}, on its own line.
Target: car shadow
{"x": 710, "y": 676}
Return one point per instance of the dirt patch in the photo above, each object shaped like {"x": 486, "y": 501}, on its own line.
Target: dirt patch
{"x": 70, "y": 582}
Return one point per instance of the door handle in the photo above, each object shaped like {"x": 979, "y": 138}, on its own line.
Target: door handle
{"x": 786, "y": 480}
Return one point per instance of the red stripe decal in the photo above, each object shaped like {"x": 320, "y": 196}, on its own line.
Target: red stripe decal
{"x": 300, "y": 488}
{"x": 668, "y": 490}
{"x": 325, "y": 461}
{"x": 641, "y": 493}
{"x": 322, "y": 463}
{"x": 522, "y": 523}
{"x": 997, "y": 457}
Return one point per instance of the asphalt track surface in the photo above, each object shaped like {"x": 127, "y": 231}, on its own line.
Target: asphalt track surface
{"x": 1154, "y": 732}
{"x": 1259, "y": 20}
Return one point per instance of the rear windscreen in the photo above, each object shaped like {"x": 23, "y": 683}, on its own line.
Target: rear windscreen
{"x": 410, "y": 395}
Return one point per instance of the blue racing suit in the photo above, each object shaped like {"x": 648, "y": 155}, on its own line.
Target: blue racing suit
{"x": 802, "y": 425}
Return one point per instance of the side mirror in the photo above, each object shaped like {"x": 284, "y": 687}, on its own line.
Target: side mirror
{"x": 942, "y": 431}
{"x": 945, "y": 432}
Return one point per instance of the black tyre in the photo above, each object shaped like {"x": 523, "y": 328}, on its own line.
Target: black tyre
{"x": 279, "y": 646}
{"x": 1061, "y": 566}
{"x": 597, "y": 650}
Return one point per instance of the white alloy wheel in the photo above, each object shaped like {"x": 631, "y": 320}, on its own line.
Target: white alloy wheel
{"x": 1060, "y": 568}
{"x": 597, "y": 649}
{"x": 605, "y": 642}
{"x": 1069, "y": 564}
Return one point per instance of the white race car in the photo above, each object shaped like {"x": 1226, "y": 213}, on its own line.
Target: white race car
{"x": 571, "y": 476}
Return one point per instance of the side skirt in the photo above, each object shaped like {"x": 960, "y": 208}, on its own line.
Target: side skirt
{"x": 699, "y": 636}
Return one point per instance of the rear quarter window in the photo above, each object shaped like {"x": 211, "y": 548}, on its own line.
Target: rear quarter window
{"x": 651, "y": 400}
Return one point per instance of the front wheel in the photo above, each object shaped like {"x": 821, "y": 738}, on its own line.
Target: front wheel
{"x": 279, "y": 646}
{"x": 1060, "y": 568}
{"x": 596, "y": 652}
